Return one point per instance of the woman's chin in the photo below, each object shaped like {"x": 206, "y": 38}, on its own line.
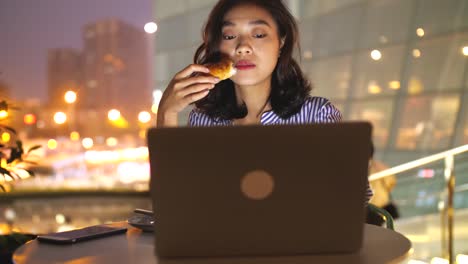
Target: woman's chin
{"x": 245, "y": 81}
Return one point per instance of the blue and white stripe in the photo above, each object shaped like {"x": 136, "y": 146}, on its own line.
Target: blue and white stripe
{"x": 314, "y": 110}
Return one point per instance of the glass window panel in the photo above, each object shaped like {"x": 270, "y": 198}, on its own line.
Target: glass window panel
{"x": 379, "y": 113}
{"x": 196, "y": 21}
{"x": 195, "y": 4}
{"x": 339, "y": 31}
{"x": 465, "y": 130}
{"x": 380, "y": 25}
{"x": 312, "y": 8}
{"x": 161, "y": 67}
{"x": 435, "y": 16}
{"x": 308, "y": 30}
{"x": 430, "y": 123}
{"x": 178, "y": 60}
{"x": 167, "y": 8}
{"x": 437, "y": 64}
{"x": 172, "y": 33}
{"x": 378, "y": 77}
{"x": 333, "y": 84}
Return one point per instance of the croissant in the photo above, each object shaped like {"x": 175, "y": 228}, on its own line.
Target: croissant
{"x": 223, "y": 69}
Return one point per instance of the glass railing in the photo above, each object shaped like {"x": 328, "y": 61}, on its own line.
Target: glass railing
{"x": 433, "y": 205}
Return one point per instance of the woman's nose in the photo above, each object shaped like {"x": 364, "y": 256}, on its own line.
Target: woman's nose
{"x": 243, "y": 48}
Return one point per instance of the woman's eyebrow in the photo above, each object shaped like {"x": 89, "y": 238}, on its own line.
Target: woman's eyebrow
{"x": 228, "y": 23}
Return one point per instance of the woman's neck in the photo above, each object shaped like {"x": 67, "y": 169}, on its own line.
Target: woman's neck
{"x": 255, "y": 98}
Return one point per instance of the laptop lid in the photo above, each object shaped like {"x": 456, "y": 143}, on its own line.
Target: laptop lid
{"x": 259, "y": 190}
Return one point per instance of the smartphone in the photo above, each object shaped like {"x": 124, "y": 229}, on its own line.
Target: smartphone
{"x": 143, "y": 212}
{"x": 74, "y": 236}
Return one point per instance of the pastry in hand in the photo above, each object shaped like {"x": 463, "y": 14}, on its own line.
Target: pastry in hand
{"x": 223, "y": 69}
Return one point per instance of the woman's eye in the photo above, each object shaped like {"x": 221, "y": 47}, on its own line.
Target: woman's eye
{"x": 260, "y": 35}
{"x": 228, "y": 37}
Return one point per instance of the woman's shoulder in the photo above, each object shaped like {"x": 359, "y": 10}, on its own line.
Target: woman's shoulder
{"x": 321, "y": 109}
{"x": 315, "y": 103}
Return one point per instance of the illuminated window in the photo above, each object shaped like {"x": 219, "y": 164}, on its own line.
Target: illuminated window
{"x": 378, "y": 77}
{"x": 379, "y": 113}
{"x": 427, "y": 122}
{"x": 439, "y": 66}
{"x": 331, "y": 84}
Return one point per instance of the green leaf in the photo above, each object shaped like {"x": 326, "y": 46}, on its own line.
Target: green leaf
{"x": 30, "y": 172}
{"x": 34, "y": 148}
{"x": 15, "y": 154}
{"x": 4, "y": 171}
{"x": 12, "y": 130}
{"x": 30, "y": 162}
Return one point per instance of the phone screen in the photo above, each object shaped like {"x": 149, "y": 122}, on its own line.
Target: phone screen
{"x": 78, "y": 235}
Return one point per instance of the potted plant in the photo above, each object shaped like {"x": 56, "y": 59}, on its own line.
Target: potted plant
{"x": 13, "y": 166}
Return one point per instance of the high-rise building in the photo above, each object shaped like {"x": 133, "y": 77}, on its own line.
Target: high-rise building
{"x": 64, "y": 74}
{"x": 116, "y": 68}
{"x": 4, "y": 90}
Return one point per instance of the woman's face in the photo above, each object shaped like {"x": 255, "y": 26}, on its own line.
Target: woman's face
{"x": 250, "y": 38}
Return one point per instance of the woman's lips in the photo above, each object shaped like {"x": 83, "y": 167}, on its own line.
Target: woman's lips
{"x": 244, "y": 65}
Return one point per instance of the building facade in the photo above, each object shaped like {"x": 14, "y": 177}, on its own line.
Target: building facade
{"x": 116, "y": 74}
{"x": 64, "y": 73}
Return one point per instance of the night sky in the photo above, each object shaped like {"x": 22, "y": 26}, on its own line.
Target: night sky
{"x": 29, "y": 27}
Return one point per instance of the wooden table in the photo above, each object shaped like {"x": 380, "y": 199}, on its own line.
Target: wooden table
{"x": 380, "y": 246}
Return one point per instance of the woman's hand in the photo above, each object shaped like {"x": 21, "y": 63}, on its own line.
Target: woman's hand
{"x": 183, "y": 90}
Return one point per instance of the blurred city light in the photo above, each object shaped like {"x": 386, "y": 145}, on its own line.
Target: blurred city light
{"x": 3, "y": 114}
{"x": 70, "y": 97}
{"x": 75, "y": 136}
{"x": 307, "y": 55}
{"x": 60, "y": 219}
{"x": 29, "y": 119}
{"x": 465, "y": 50}
{"x": 142, "y": 134}
{"x": 414, "y": 261}
{"x": 111, "y": 142}
{"x": 52, "y": 144}
{"x": 151, "y": 27}
{"x": 6, "y": 137}
{"x": 376, "y": 55}
{"x": 394, "y": 85}
{"x": 87, "y": 143}
{"x": 374, "y": 88}
{"x": 420, "y": 32}
{"x": 10, "y": 214}
{"x": 113, "y": 115}
{"x": 462, "y": 259}
{"x": 157, "y": 95}
{"x": 60, "y": 118}
{"x": 416, "y": 53}
{"x": 144, "y": 117}
{"x": 439, "y": 261}
{"x": 154, "y": 108}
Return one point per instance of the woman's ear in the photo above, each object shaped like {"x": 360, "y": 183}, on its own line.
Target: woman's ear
{"x": 282, "y": 42}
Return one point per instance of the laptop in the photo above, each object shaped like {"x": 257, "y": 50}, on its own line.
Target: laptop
{"x": 259, "y": 190}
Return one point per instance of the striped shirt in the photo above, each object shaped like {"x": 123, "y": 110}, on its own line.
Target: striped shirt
{"x": 314, "y": 110}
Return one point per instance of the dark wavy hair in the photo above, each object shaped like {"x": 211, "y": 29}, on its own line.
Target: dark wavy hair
{"x": 289, "y": 87}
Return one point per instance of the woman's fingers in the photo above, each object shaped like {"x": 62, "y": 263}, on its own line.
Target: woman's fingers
{"x": 195, "y": 96}
{"x": 189, "y": 70}
{"x": 194, "y": 80}
{"x": 195, "y": 89}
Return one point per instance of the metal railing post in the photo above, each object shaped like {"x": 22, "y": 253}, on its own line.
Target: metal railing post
{"x": 450, "y": 181}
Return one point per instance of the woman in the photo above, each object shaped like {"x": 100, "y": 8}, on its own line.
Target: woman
{"x": 268, "y": 88}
